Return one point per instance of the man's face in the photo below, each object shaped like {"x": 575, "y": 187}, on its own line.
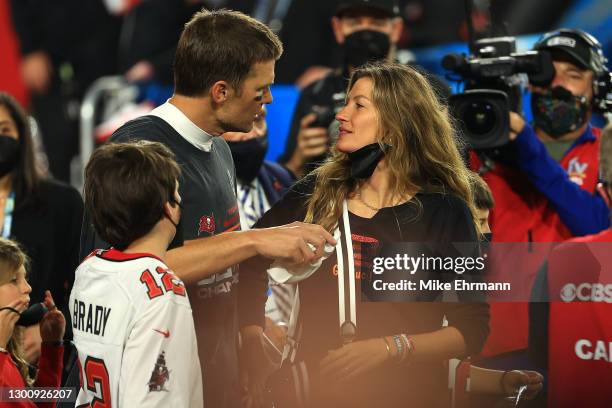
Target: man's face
{"x": 351, "y": 22}
{"x": 260, "y": 128}
{"x": 241, "y": 109}
{"x": 571, "y": 77}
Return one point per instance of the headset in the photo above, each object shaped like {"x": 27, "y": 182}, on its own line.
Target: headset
{"x": 602, "y": 79}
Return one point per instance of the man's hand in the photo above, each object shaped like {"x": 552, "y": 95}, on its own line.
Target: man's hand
{"x": 517, "y": 124}
{"x": 353, "y": 359}
{"x": 290, "y": 242}
{"x": 311, "y": 143}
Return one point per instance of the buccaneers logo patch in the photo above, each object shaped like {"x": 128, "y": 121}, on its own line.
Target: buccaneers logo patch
{"x": 160, "y": 374}
{"x": 207, "y": 224}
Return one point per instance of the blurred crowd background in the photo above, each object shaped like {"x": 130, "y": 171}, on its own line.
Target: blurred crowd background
{"x": 54, "y": 51}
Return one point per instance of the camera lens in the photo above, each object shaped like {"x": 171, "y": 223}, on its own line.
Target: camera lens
{"x": 479, "y": 117}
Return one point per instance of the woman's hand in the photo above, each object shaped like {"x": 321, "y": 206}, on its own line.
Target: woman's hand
{"x": 53, "y": 324}
{"x": 354, "y": 359}
{"x": 515, "y": 379}
{"x": 8, "y": 318}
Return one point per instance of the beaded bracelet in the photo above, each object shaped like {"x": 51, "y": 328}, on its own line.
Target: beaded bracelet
{"x": 404, "y": 340}
{"x": 409, "y": 344}
{"x": 400, "y": 346}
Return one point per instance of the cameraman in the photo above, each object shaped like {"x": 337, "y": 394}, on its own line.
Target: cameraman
{"x": 563, "y": 133}
{"x": 545, "y": 186}
{"x": 367, "y": 30}
{"x": 558, "y": 154}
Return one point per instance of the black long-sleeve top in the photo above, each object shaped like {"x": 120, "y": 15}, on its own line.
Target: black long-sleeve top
{"x": 48, "y": 226}
{"x": 429, "y": 217}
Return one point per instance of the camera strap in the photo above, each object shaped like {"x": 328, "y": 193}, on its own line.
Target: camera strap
{"x": 346, "y": 280}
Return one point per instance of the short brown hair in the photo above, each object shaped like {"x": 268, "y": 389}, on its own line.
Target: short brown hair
{"x": 483, "y": 198}
{"x": 126, "y": 187}
{"x": 221, "y": 45}
{"x": 605, "y": 156}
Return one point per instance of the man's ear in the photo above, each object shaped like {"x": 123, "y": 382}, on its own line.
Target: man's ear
{"x": 167, "y": 209}
{"x": 397, "y": 30}
{"x": 219, "y": 91}
{"x": 337, "y": 29}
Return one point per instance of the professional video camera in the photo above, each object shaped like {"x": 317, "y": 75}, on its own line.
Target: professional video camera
{"x": 493, "y": 87}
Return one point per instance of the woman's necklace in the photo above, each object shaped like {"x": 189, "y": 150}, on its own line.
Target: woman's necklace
{"x": 358, "y": 195}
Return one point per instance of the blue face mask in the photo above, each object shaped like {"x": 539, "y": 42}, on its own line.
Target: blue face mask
{"x": 559, "y": 112}
{"x": 364, "y": 160}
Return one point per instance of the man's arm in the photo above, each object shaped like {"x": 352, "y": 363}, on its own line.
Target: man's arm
{"x": 200, "y": 258}
{"x": 581, "y": 211}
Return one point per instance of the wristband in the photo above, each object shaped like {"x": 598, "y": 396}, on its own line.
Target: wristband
{"x": 400, "y": 346}
{"x": 409, "y": 345}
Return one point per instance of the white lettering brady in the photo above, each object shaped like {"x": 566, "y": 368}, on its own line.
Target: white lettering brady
{"x": 585, "y": 350}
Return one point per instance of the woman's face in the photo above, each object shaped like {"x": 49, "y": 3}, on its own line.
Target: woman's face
{"x": 17, "y": 288}
{"x": 8, "y": 127}
{"x": 358, "y": 119}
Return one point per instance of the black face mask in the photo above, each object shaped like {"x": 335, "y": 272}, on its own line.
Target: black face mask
{"x": 32, "y": 315}
{"x": 558, "y": 112}
{"x": 485, "y": 243}
{"x": 365, "y": 45}
{"x": 9, "y": 154}
{"x": 364, "y": 160}
{"x": 248, "y": 156}
{"x": 177, "y": 241}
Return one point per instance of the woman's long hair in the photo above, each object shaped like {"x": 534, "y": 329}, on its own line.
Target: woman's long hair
{"x": 25, "y": 176}
{"x": 11, "y": 259}
{"x": 424, "y": 154}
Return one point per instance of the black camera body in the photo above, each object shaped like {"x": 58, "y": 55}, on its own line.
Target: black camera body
{"x": 493, "y": 88}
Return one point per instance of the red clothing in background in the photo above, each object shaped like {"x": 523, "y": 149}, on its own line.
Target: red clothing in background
{"x": 10, "y": 77}
{"x": 50, "y": 367}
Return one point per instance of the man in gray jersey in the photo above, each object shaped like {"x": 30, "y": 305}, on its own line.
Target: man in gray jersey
{"x": 224, "y": 66}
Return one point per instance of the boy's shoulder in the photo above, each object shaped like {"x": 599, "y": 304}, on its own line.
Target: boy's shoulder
{"x": 142, "y": 277}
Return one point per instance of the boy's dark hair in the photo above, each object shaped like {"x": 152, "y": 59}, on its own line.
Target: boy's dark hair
{"x": 126, "y": 187}
{"x": 221, "y": 45}
{"x": 483, "y": 198}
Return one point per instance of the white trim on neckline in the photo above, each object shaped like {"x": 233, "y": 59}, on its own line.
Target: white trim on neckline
{"x": 184, "y": 126}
